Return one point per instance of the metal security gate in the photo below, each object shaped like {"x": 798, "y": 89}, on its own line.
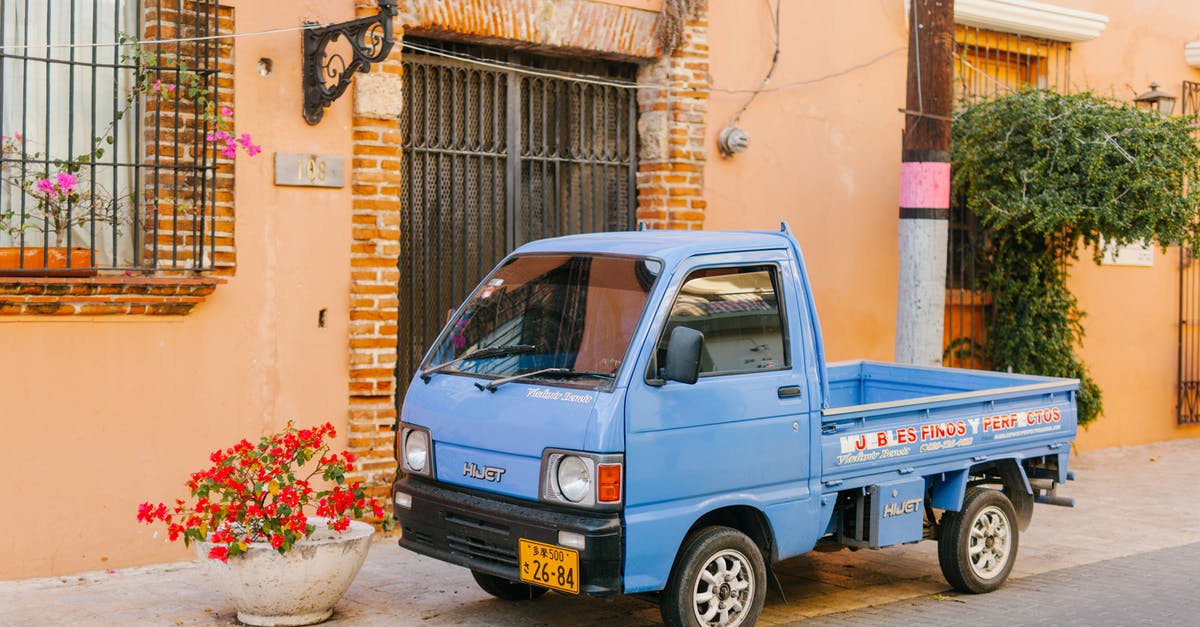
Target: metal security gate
{"x": 501, "y": 148}
{"x": 1189, "y": 305}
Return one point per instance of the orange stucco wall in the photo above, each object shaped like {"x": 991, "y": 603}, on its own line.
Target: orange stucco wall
{"x": 824, "y": 151}
{"x": 102, "y": 413}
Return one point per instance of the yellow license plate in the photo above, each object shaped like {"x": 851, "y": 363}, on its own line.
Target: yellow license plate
{"x": 549, "y": 566}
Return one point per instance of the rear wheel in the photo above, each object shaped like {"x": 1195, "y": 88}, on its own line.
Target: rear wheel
{"x": 720, "y": 579}
{"x": 977, "y": 545}
{"x": 502, "y": 588}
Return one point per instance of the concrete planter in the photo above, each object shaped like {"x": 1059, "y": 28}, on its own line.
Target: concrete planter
{"x": 299, "y": 588}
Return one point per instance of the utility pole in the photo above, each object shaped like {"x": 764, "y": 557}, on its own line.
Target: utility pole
{"x": 925, "y": 183}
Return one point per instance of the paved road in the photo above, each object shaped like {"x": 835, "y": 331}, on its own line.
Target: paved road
{"x": 1157, "y": 588}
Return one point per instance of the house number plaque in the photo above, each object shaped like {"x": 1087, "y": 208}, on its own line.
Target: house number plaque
{"x": 308, "y": 170}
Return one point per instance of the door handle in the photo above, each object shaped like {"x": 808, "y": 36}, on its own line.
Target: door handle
{"x": 790, "y": 391}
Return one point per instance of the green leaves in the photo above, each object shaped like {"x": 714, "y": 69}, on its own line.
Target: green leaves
{"x": 1045, "y": 173}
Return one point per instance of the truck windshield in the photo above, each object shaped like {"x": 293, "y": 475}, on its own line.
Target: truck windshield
{"x": 570, "y": 316}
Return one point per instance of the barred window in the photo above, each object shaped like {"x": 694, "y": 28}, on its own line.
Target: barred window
{"x": 987, "y": 64}
{"x": 105, "y": 161}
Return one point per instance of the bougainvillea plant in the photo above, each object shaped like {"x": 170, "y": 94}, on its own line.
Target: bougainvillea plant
{"x": 261, "y": 493}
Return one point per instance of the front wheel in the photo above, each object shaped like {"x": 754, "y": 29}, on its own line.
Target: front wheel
{"x": 719, "y": 579}
{"x": 978, "y": 544}
{"x": 502, "y": 588}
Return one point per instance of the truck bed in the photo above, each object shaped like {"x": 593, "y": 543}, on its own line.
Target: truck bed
{"x": 888, "y": 420}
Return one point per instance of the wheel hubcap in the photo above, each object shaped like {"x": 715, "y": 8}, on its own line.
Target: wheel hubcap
{"x": 988, "y": 545}
{"x": 723, "y": 590}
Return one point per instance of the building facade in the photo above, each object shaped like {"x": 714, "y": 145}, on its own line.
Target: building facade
{"x": 223, "y": 293}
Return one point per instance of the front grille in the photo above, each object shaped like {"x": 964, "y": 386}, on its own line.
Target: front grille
{"x": 475, "y": 523}
{"x": 481, "y": 549}
{"x": 418, "y": 536}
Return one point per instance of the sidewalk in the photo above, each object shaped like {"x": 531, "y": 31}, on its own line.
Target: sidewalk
{"x": 1130, "y": 500}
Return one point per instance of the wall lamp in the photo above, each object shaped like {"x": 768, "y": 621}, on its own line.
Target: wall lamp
{"x": 326, "y": 76}
{"x": 1156, "y": 99}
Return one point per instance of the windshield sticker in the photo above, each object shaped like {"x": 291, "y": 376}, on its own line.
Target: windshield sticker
{"x": 560, "y": 395}
{"x": 938, "y": 436}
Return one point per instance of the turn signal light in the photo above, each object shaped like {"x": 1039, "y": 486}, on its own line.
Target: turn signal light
{"x": 608, "y": 485}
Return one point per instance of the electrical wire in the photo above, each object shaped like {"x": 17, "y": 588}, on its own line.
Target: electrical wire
{"x": 523, "y": 69}
{"x": 770, "y": 71}
{"x": 151, "y": 42}
{"x": 494, "y": 64}
{"x": 813, "y": 81}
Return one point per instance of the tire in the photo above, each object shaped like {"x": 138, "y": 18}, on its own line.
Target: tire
{"x": 719, "y": 579}
{"x": 502, "y": 588}
{"x": 977, "y": 546}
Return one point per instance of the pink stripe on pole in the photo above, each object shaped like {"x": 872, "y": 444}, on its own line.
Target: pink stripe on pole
{"x": 925, "y": 185}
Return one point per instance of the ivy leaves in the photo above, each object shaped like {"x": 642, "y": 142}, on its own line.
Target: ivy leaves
{"x": 1046, "y": 173}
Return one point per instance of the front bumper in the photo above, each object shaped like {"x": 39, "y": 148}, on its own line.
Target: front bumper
{"x": 480, "y": 531}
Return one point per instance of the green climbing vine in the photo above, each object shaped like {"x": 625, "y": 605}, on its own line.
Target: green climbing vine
{"x": 1048, "y": 175}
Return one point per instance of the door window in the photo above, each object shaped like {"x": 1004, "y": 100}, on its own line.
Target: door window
{"x": 738, "y": 310}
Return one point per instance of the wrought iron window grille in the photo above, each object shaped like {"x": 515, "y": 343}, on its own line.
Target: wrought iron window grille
{"x": 142, "y": 186}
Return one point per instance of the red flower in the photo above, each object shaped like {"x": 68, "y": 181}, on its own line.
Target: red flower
{"x": 145, "y": 513}
{"x": 277, "y": 540}
{"x": 219, "y": 553}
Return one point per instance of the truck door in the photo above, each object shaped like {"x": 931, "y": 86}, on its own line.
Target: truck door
{"x": 737, "y": 437}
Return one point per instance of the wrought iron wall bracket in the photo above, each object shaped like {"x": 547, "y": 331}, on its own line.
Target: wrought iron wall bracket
{"x": 326, "y": 76}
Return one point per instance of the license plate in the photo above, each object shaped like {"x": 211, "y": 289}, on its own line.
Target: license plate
{"x": 549, "y": 566}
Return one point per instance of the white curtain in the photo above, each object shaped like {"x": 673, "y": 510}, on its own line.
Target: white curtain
{"x": 58, "y": 109}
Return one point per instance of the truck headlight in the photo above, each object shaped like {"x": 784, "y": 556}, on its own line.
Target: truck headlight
{"x": 415, "y": 453}
{"x": 582, "y": 479}
{"x": 574, "y": 478}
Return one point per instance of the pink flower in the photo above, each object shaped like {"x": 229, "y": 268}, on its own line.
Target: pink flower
{"x": 66, "y": 182}
{"x": 46, "y": 186}
{"x": 226, "y": 111}
{"x": 248, "y": 143}
{"x": 170, "y": 87}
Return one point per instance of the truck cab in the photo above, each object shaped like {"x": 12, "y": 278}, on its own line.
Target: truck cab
{"x": 626, "y": 413}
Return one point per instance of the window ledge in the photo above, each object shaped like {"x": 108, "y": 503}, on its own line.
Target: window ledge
{"x": 1032, "y": 19}
{"x": 105, "y": 295}
{"x": 1191, "y": 52}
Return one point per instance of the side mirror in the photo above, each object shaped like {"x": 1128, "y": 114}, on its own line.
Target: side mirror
{"x": 683, "y": 355}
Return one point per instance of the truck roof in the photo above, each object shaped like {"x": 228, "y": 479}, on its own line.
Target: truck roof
{"x": 668, "y": 245}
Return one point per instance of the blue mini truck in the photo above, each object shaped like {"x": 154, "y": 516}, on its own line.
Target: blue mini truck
{"x": 651, "y": 413}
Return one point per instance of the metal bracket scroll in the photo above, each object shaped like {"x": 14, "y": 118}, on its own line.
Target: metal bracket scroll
{"x": 326, "y": 76}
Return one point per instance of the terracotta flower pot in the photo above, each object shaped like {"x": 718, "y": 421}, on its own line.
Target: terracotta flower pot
{"x": 298, "y": 588}
{"x": 37, "y": 260}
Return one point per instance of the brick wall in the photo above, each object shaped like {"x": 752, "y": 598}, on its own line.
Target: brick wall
{"x": 671, "y": 126}
{"x": 374, "y": 275}
{"x": 174, "y": 142}
{"x": 670, "y": 184}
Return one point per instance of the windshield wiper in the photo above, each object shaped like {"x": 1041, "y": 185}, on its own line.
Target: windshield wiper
{"x": 479, "y": 353}
{"x": 492, "y": 385}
